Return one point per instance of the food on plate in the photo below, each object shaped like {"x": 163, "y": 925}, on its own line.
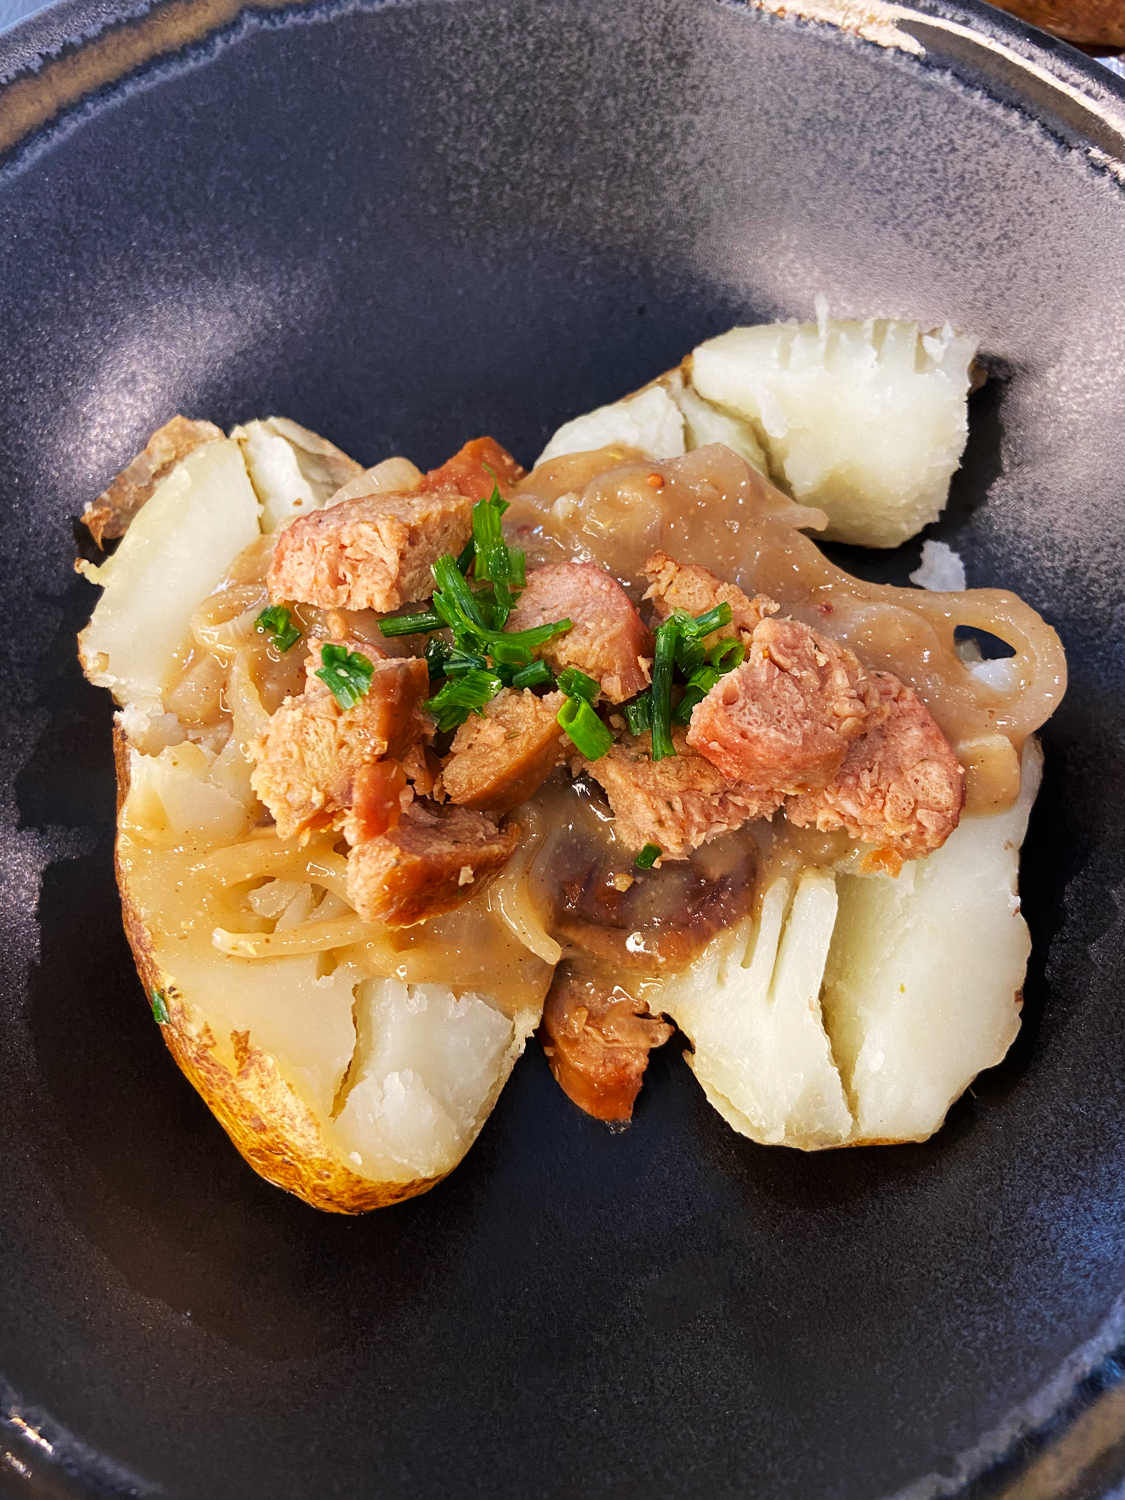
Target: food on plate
{"x": 1095, "y": 24}
{"x": 865, "y": 420}
{"x": 413, "y": 764}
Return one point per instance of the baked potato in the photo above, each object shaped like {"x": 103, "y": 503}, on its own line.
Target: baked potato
{"x": 352, "y": 1050}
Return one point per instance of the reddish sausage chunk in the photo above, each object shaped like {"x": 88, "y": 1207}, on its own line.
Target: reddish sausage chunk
{"x": 677, "y": 803}
{"x": 309, "y": 757}
{"x": 597, "y": 1041}
{"x": 694, "y": 589}
{"x": 467, "y": 472}
{"x": 782, "y": 721}
{"x": 900, "y": 786}
{"x": 609, "y": 642}
{"x": 430, "y": 862}
{"x": 376, "y": 551}
{"x": 497, "y": 761}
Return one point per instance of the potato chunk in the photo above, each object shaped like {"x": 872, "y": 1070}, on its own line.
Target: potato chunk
{"x": 859, "y": 1007}
{"x": 292, "y": 470}
{"x": 174, "y": 554}
{"x": 111, "y": 514}
{"x": 867, "y": 421}
{"x": 651, "y": 423}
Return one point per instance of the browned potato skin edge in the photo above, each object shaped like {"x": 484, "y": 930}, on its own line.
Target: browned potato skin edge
{"x": 266, "y": 1121}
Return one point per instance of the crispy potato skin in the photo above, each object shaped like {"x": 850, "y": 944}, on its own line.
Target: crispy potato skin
{"x": 257, "y": 1108}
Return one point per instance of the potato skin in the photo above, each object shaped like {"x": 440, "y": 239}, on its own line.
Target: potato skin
{"x": 270, "y": 1126}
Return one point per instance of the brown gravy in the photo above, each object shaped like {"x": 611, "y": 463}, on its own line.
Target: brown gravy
{"x": 572, "y": 881}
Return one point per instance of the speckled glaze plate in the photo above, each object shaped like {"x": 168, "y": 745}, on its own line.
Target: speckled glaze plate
{"x": 403, "y": 225}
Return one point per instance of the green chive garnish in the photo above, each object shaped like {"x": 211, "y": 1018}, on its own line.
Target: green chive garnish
{"x": 347, "y": 674}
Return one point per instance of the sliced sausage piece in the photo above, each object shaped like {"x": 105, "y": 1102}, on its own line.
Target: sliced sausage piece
{"x": 374, "y": 552}
{"x": 430, "y": 862}
{"x": 782, "y": 721}
{"x": 609, "y": 641}
{"x": 110, "y": 514}
{"x": 900, "y": 786}
{"x": 307, "y": 761}
{"x": 694, "y": 589}
{"x": 677, "y": 803}
{"x": 380, "y": 796}
{"x": 466, "y": 473}
{"x": 597, "y": 1040}
{"x": 497, "y": 761}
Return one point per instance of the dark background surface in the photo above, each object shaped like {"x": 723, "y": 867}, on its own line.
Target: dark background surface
{"x": 404, "y": 226}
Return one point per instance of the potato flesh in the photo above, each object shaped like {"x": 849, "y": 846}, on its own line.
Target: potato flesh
{"x": 651, "y": 423}
{"x": 705, "y": 423}
{"x": 274, "y": 472}
{"x": 176, "y": 552}
{"x": 866, "y": 421}
{"x": 410, "y": 1070}
{"x": 923, "y": 982}
{"x": 427, "y": 1073}
{"x": 861, "y": 1015}
{"x": 750, "y": 1005}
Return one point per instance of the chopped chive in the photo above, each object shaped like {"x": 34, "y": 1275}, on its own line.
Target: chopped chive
{"x": 159, "y": 1009}
{"x": 638, "y": 713}
{"x": 416, "y": 624}
{"x": 648, "y": 856}
{"x": 689, "y": 653}
{"x": 704, "y": 624}
{"x": 437, "y": 652}
{"x": 462, "y": 696}
{"x": 693, "y": 694}
{"x": 455, "y": 601}
{"x": 278, "y": 622}
{"x": 663, "y": 662}
{"x": 581, "y": 723}
{"x": 576, "y": 684}
{"x": 538, "y": 674}
{"x": 459, "y": 661}
{"x": 722, "y": 659}
{"x": 465, "y": 557}
{"x": 346, "y": 674}
{"x": 727, "y": 655}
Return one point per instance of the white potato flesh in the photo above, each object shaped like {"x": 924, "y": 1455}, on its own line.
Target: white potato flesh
{"x": 292, "y": 469}
{"x": 866, "y": 421}
{"x": 863, "y": 1007}
{"x": 429, "y": 1067}
{"x": 175, "y": 553}
{"x": 422, "y": 1065}
{"x": 924, "y": 979}
{"x": 276, "y": 475}
{"x": 176, "y": 795}
{"x": 651, "y": 422}
{"x": 750, "y": 1005}
{"x": 705, "y": 423}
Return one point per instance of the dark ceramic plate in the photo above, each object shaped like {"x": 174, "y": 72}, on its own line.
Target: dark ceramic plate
{"x": 404, "y": 225}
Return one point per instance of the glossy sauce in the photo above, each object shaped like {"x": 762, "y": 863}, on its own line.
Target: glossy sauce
{"x": 572, "y": 892}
